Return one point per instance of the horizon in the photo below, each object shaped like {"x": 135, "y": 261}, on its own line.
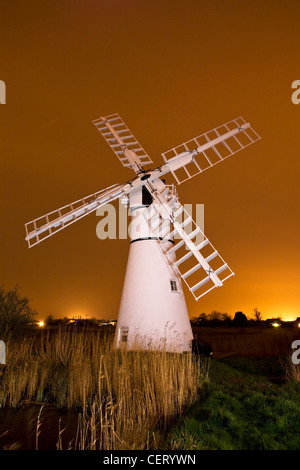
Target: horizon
{"x": 93, "y": 317}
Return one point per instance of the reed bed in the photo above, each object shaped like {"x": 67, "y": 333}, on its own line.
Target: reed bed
{"x": 123, "y": 399}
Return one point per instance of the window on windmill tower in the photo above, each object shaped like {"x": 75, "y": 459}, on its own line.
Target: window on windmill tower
{"x": 173, "y": 284}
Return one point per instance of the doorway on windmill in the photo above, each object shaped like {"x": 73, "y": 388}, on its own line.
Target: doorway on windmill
{"x": 124, "y": 334}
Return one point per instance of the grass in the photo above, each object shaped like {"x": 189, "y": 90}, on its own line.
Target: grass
{"x": 242, "y": 407}
{"x": 124, "y": 399}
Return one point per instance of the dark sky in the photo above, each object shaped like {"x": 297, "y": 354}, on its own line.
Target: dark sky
{"x": 172, "y": 69}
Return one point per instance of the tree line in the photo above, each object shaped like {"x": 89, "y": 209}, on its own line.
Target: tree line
{"x": 216, "y": 318}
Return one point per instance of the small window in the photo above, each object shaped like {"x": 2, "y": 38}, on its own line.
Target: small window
{"x": 173, "y": 285}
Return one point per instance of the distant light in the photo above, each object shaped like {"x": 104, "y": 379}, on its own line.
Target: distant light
{"x": 298, "y": 325}
{"x": 41, "y": 324}
{"x": 276, "y": 324}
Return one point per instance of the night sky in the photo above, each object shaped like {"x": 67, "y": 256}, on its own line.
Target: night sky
{"x": 172, "y": 69}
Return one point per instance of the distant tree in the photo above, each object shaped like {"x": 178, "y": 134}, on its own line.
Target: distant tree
{"x": 226, "y": 319}
{"x": 200, "y": 320}
{"x": 257, "y": 315}
{"x": 212, "y": 319}
{"x": 218, "y": 318}
{"x": 215, "y": 316}
{"x": 16, "y": 314}
{"x": 240, "y": 319}
{"x": 49, "y": 320}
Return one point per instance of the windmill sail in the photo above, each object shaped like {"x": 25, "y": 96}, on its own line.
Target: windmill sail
{"x": 128, "y": 150}
{"x": 198, "y": 154}
{"x": 198, "y": 263}
{"x": 44, "y": 227}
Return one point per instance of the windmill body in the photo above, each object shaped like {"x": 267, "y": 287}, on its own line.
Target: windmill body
{"x": 164, "y": 256}
{"x": 153, "y": 312}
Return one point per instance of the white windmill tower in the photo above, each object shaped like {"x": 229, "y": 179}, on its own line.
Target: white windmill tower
{"x": 153, "y": 312}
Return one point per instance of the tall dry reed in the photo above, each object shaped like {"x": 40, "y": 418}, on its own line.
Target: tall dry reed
{"x": 123, "y": 398}
{"x": 292, "y": 371}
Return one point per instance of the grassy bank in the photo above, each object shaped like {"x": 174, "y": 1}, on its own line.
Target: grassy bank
{"x": 247, "y": 404}
{"x": 123, "y": 398}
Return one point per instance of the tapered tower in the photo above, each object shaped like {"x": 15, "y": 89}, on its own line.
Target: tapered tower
{"x": 153, "y": 312}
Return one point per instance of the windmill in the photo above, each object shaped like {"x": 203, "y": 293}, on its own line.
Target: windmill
{"x": 163, "y": 253}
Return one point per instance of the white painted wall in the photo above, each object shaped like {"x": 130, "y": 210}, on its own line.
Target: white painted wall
{"x": 151, "y": 316}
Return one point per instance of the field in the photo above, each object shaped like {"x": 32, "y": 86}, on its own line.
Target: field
{"x": 249, "y": 341}
{"x": 68, "y": 389}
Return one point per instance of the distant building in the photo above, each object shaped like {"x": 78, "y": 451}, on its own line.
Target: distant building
{"x": 297, "y": 322}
